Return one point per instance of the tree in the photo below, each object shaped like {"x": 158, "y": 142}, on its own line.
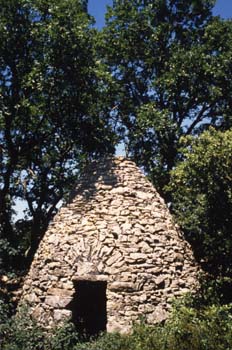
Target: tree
{"x": 201, "y": 186}
{"x": 171, "y": 62}
{"x": 51, "y": 117}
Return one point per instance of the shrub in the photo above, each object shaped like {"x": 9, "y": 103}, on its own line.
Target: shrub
{"x": 21, "y": 333}
{"x": 110, "y": 341}
{"x": 201, "y": 188}
{"x": 63, "y": 338}
{"x": 204, "y": 329}
{"x": 191, "y": 328}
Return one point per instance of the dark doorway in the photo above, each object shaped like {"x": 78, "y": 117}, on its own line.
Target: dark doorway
{"x": 89, "y": 307}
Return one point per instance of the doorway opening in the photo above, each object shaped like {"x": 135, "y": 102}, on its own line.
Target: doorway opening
{"x": 89, "y": 307}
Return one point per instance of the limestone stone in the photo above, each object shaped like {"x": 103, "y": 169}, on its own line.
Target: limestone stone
{"x": 144, "y": 195}
{"x": 113, "y": 259}
{"x": 126, "y": 227}
{"x": 122, "y": 286}
{"x": 115, "y": 228}
{"x": 32, "y": 298}
{"x": 138, "y": 257}
{"x": 57, "y": 301}
{"x": 115, "y": 233}
{"x": 60, "y": 292}
{"x": 60, "y": 315}
{"x": 159, "y": 315}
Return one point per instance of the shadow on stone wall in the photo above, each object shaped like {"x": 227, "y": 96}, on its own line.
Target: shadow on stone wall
{"x": 91, "y": 175}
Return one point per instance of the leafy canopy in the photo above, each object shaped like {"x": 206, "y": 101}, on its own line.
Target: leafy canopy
{"x": 51, "y": 115}
{"x": 171, "y": 63}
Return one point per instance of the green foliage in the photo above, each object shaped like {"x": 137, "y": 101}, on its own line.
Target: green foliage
{"x": 187, "y": 328}
{"x": 201, "y": 187}
{"x": 63, "y": 338}
{"x": 159, "y": 72}
{"x": 20, "y": 332}
{"x": 52, "y": 118}
{"x": 171, "y": 64}
{"x": 114, "y": 341}
{"x": 205, "y": 329}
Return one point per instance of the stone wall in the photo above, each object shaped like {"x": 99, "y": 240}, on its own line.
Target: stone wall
{"x": 116, "y": 229}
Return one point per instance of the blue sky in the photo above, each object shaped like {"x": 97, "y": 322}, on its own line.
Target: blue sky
{"x": 98, "y": 7}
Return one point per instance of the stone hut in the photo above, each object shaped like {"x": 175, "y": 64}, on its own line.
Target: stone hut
{"x": 111, "y": 256}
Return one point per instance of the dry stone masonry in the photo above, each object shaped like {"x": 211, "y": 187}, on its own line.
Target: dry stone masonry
{"x": 112, "y": 255}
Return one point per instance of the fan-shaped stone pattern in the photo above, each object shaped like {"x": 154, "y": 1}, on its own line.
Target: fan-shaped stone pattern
{"x": 115, "y": 229}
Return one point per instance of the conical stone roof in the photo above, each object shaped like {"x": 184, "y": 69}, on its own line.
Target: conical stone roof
{"x": 117, "y": 239}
